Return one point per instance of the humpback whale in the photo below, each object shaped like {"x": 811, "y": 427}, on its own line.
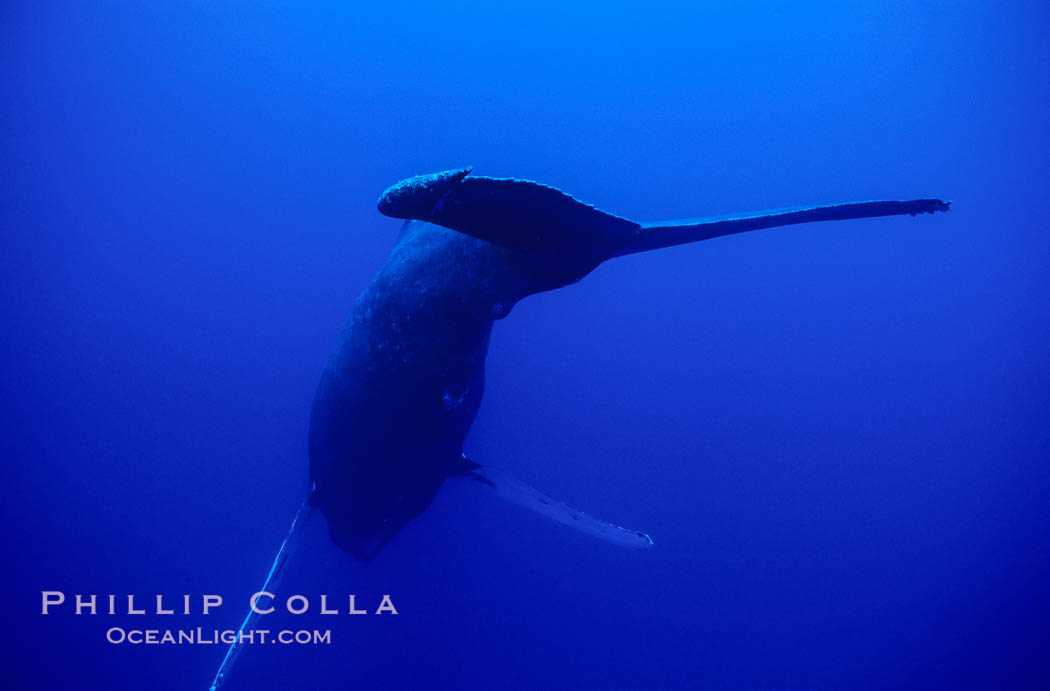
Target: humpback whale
{"x": 405, "y": 380}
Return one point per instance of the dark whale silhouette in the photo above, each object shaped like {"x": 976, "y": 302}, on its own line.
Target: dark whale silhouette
{"x": 404, "y": 382}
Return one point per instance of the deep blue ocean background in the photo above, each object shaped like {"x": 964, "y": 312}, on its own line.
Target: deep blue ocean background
{"x": 837, "y": 434}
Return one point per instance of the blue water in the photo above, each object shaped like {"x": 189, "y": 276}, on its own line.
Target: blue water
{"x": 836, "y": 434}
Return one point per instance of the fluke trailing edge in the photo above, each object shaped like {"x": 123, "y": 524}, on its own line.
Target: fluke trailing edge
{"x": 404, "y": 383}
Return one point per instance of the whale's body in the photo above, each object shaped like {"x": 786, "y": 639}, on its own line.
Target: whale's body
{"x": 405, "y": 380}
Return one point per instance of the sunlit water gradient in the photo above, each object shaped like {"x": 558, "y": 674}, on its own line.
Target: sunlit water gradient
{"x": 836, "y": 434}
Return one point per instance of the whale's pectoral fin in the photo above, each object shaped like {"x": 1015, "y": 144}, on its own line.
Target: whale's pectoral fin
{"x": 515, "y": 491}
{"x": 660, "y": 234}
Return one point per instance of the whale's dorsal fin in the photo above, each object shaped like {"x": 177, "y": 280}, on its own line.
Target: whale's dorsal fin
{"x": 515, "y": 491}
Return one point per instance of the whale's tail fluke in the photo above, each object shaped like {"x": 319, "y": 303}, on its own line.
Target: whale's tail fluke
{"x": 668, "y": 233}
